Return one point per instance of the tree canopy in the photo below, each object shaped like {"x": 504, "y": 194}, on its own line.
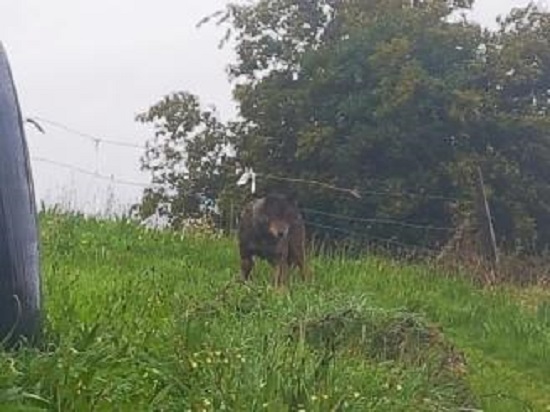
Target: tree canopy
{"x": 397, "y": 100}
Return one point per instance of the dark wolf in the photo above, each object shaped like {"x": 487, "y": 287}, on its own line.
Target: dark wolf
{"x": 272, "y": 228}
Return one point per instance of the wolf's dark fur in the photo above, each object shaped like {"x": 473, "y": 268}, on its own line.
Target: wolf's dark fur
{"x": 272, "y": 228}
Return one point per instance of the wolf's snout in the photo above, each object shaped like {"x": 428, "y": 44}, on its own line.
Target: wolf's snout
{"x": 279, "y": 232}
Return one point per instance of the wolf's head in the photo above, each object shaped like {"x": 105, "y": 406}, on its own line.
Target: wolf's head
{"x": 275, "y": 213}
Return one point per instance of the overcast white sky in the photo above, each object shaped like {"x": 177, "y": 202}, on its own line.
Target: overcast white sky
{"x": 93, "y": 65}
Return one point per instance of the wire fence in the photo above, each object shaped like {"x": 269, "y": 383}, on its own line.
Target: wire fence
{"x": 343, "y": 222}
{"x": 73, "y": 169}
{"x": 86, "y": 172}
{"x": 360, "y": 193}
{"x": 87, "y": 136}
{"x": 380, "y": 221}
{"x": 380, "y": 241}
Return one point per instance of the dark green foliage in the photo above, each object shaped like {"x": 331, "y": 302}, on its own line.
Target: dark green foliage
{"x": 187, "y": 158}
{"x": 378, "y": 96}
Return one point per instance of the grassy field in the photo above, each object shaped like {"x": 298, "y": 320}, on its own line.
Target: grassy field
{"x": 139, "y": 320}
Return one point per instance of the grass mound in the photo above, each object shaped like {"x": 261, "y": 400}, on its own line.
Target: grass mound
{"x": 402, "y": 338}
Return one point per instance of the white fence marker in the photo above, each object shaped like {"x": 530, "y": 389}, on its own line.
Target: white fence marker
{"x": 248, "y": 175}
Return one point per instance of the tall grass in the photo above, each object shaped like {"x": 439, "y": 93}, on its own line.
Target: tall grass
{"x": 143, "y": 320}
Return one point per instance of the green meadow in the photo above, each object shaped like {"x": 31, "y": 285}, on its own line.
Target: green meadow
{"x": 140, "y": 320}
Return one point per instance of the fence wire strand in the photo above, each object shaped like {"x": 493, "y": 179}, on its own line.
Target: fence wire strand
{"x": 357, "y": 194}
{"x": 111, "y": 179}
{"x": 367, "y": 237}
{"x": 95, "y": 139}
{"x": 379, "y": 221}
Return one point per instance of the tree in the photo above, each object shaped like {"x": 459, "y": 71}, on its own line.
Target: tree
{"x": 518, "y": 90}
{"x": 188, "y": 158}
{"x": 393, "y": 96}
{"x": 354, "y": 94}
{"x": 395, "y": 99}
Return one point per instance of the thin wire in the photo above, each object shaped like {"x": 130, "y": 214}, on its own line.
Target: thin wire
{"x": 89, "y": 173}
{"x": 358, "y": 193}
{"x": 87, "y": 136}
{"x": 368, "y": 237}
{"x": 112, "y": 179}
{"x": 414, "y": 194}
{"x": 381, "y": 221}
{"x": 353, "y": 192}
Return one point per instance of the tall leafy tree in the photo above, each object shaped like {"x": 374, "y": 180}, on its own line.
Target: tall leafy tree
{"x": 398, "y": 100}
{"x": 396, "y": 96}
{"x": 358, "y": 94}
{"x": 188, "y": 158}
{"x": 518, "y": 95}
